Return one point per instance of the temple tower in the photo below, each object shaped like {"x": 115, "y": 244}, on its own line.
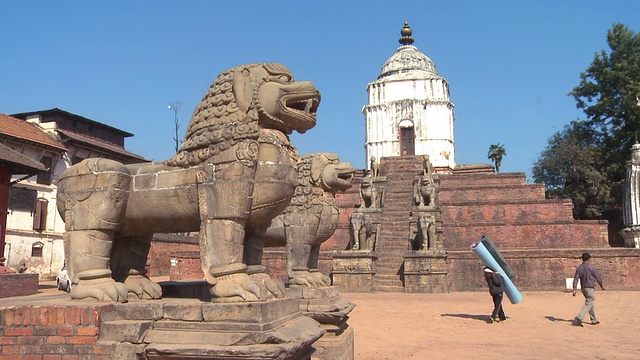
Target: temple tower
{"x": 409, "y": 111}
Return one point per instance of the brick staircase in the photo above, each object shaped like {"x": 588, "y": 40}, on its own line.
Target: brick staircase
{"x": 393, "y": 240}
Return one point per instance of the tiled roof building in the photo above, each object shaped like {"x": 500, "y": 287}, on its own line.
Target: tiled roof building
{"x": 35, "y": 148}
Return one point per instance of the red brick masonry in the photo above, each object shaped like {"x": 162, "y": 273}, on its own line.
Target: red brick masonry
{"x": 54, "y": 332}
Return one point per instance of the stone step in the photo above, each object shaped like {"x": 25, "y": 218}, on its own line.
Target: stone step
{"x": 549, "y": 210}
{"x": 492, "y": 193}
{"x": 396, "y": 283}
{"x": 388, "y": 271}
{"x": 467, "y": 180}
{"x": 397, "y": 289}
{"x": 387, "y": 277}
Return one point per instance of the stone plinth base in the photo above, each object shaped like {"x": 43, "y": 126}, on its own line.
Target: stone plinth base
{"x": 156, "y": 329}
{"x": 331, "y": 310}
{"x": 353, "y": 270}
{"x": 272, "y": 329}
{"x": 13, "y": 284}
{"x": 631, "y": 236}
{"x": 426, "y": 271}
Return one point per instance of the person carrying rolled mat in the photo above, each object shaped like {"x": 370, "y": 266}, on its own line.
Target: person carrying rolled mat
{"x": 496, "y": 289}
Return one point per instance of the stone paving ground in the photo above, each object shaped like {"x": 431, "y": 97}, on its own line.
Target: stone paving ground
{"x": 456, "y": 326}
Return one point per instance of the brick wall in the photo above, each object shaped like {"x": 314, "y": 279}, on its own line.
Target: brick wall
{"x": 52, "y": 333}
{"x": 547, "y": 269}
{"x": 274, "y": 259}
{"x": 162, "y": 250}
{"x": 18, "y": 285}
{"x": 538, "y": 235}
{"x": 187, "y": 266}
{"x": 502, "y": 211}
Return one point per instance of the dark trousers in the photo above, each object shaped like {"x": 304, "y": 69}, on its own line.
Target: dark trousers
{"x": 498, "y": 312}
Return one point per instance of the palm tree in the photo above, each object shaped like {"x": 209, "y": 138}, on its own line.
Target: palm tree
{"x": 496, "y": 152}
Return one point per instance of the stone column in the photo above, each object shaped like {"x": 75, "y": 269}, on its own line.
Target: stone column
{"x": 631, "y": 200}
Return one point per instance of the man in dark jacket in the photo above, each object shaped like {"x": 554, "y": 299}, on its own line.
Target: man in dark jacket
{"x": 588, "y": 276}
{"x": 496, "y": 289}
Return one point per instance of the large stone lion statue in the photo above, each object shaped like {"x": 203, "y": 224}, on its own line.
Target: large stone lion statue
{"x": 236, "y": 170}
{"x": 311, "y": 218}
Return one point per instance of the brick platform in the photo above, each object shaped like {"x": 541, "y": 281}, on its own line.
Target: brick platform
{"x": 540, "y": 235}
{"x": 13, "y": 284}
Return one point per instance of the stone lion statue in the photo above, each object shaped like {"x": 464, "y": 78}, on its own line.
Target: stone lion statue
{"x": 236, "y": 170}
{"x": 424, "y": 192}
{"x": 311, "y": 218}
{"x": 362, "y": 232}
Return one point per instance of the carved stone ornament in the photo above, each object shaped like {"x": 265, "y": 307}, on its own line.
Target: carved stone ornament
{"x": 368, "y": 193}
{"x": 362, "y": 231}
{"x": 375, "y": 167}
{"x": 311, "y": 218}
{"x": 427, "y": 229}
{"x": 236, "y": 170}
{"x": 424, "y": 192}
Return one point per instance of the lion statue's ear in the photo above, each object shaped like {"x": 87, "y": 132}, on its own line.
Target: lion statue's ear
{"x": 320, "y": 160}
{"x": 243, "y": 87}
{"x": 317, "y": 165}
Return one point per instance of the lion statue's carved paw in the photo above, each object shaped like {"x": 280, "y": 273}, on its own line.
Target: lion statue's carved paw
{"x": 324, "y": 279}
{"x": 274, "y": 287}
{"x": 143, "y": 287}
{"x": 104, "y": 289}
{"x": 238, "y": 286}
{"x": 309, "y": 279}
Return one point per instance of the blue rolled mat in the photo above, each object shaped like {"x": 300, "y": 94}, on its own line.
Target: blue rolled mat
{"x": 487, "y": 259}
{"x": 493, "y": 250}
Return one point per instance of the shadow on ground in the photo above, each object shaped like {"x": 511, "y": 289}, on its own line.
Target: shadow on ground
{"x": 47, "y": 286}
{"x": 484, "y": 318}
{"x": 553, "y": 318}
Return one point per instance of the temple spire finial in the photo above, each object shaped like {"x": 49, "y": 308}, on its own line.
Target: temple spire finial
{"x": 406, "y": 38}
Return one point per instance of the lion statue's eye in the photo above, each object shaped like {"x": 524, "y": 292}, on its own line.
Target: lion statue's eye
{"x": 282, "y": 78}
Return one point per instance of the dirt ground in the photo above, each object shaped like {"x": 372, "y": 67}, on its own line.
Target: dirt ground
{"x": 456, "y": 326}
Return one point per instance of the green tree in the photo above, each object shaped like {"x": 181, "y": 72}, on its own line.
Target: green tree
{"x": 571, "y": 167}
{"x": 607, "y": 94}
{"x": 495, "y": 154}
{"x": 586, "y": 160}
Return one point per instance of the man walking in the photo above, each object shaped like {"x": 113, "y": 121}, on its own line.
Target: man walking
{"x": 588, "y": 276}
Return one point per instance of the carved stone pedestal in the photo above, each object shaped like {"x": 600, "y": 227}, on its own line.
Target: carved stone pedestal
{"x": 353, "y": 270}
{"x": 426, "y": 271}
{"x": 197, "y": 329}
{"x": 331, "y": 310}
{"x": 631, "y": 236}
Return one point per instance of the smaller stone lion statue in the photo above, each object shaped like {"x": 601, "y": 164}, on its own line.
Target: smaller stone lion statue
{"x": 311, "y": 218}
{"x": 368, "y": 194}
{"x": 375, "y": 167}
{"x": 424, "y": 193}
{"x": 362, "y": 232}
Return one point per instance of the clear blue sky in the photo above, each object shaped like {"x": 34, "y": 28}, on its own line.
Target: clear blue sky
{"x": 509, "y": 64}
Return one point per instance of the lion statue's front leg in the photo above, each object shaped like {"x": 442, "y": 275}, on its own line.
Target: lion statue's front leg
{"x": 225, "y": 196}
{"x": 94, "y": 196}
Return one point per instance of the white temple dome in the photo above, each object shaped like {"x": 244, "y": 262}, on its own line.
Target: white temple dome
{"x": 408, "y": 60}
